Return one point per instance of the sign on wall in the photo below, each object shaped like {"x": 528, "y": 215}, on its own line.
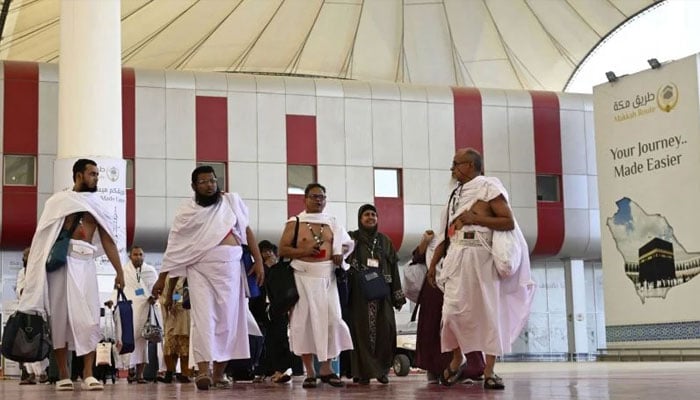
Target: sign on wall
{"x": 647, "y": 143}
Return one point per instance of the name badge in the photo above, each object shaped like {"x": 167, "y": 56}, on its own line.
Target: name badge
{"x": 176, "y": 296}
{"x": 321, "y": 254}
{"x": 372, "y": 262}
{"x": 139, "y": 292}
{"x": 451, "y": 231}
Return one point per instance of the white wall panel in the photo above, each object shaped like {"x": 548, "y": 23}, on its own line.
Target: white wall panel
{"x": 592, "y": 185}
{"x": 576, "y": 233}
{"x": 243, "y": 179}
{"x": 358, "y": 132}
{"x": 414, "y": 123}
{"x": 149, "y": 78}
{"x": 386, "y": 133}
{"x": 495, "y": 136}
{"x": 272, "y": 216}
{"x": 440, "y": 188}
{"x": 150, "y": 121}
{"x": 48, "y": 117}
{"x": 253, "y": 216}
{"x": 521, "y": 139}
{"x": 573, "y": 142}
{"x": 527, "y": 219}
{"x": 589, "y": 128}
{"x": 270, "y": 84}
{"x": 241, "y": 83}
{"x": 179, "y": 80}
{"x": 439, "y": 94}
{"x": 300, "y": 105}
{"x": 151, "y": 221}
{"x": 351, "y": 214}
{"x": 504, "y": 177}
{"x": 493, "y": 97}
{"x": 47, "y": 72}
{"x": 180, "y": 128}
{"x": 523, "y": 190}
{"x": 272, "y": 181}
{"x": 272, "y": 134}
{"x": 339, "y": 210}
{"x": 571, "y": 101}
{"x": 593, "y": 250}
{"x": 210, "y": 82}
{"x": 575, "y": 191}
{"x": 385, "y": 91}
{"x": 415, "y": 182}
{"x": 178, "y": 175}
{"x": 44, "y": 174}
{"x": 299, "y": 86}
{"x": 441, "y": 131}
{"x": 518, "y": 98}
{"x": 435, "y": 216}
{"x": 242, "y": 112}
{"x": 360, "y": 187}
{"x": 357, "y": 89}
{"x": 150, "y": 177}
{"x": 41, "y": 201}
{"x": 417, "y": 220}
{"x": 330, "y": 130}
{"x": 333, "y": 178}
{"x": 329, "y": 88}
{"x": 413, "y": 93}
{"x": 171, "y": 206}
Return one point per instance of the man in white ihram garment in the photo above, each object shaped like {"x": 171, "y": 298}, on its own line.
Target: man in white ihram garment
{"x": 205, "y": 246}
{"x": 482, "y": 310}
{"x": 70, "y": 294}
{"x": 139, "y": 279}
{"x": 316, "y": 325}
{"x": 37, "y": 369}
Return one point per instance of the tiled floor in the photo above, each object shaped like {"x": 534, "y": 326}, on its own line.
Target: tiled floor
{"x": 542, "y": 381}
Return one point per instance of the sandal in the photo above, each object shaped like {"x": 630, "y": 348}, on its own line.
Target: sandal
{"x": 332, "y": 379}
{"x": 141, "y": 380}
{"x": 280, "y": 378}
{"x": 224, "y": 383}
{"x": 310, "y": 383}
{"x": 64, "y": 385}
{"x": 494, "y": 383}
{"x": 90, "y": 383}
{"x": 450, "y": 376}
{"x": 203, "y": 382}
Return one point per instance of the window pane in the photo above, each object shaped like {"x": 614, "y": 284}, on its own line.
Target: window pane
{"x": 387, "y": 183}
{"x": 219, "y": 171}
{"x": 129, "y": 173}
{"x": 20, "y": 170}
{"x": 298, "y": 176}
{"x": 548, "y": 188}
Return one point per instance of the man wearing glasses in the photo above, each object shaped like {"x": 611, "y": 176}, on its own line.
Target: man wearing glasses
{"x": 316, "y": 325}
{"x": 478, "y": 312}
{"x": 205, "y": 246}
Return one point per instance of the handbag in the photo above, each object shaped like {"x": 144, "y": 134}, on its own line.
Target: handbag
{"x": 26, "y": 337}
{"x": 124, "y": 319}
{"x": 373, "y": 284}
{"x": 248, "y": 262}
{"x": 103, "y": 353}
{"x": 151, "y": 329}
{"x": 413, "y": 278}
{"x": 280, "y": 284}
{"x": 59, "y": 251}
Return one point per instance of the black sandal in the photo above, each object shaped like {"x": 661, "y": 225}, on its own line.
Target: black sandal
{"x": 494, "y": 383}
{"x": 332, "y": 379}
{"x": 310, "y": 383}
{"x": 450, "y": 376}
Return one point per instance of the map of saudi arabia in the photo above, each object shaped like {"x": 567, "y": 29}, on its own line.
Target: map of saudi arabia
{"x": 654, "y": 260}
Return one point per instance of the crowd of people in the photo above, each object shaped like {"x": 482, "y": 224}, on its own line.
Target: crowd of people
{"x": 348, "y": 286}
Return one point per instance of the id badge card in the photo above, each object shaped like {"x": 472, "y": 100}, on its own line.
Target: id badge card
{"x": 177, "y": 296}
{"x": 451, "y": 231}
{"x": 139, "y": 292}
{"x": 321, "y": 254}
{"x": 372, "y": 262}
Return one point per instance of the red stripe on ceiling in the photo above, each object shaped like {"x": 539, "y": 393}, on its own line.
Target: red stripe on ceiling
{"x": 21, "y": 137}
{"x": 212, "y": 129}
{"x": 129, "y": 145}
{"x": 468, "y": 118}
{"x": 550, "y": 215}
{"x": 301, "y": 150}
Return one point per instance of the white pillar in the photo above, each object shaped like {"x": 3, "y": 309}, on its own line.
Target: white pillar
{"x": 90, "y": 101}
{"x": 576, "y": 308}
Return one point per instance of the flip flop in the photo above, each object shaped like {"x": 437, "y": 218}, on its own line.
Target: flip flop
{"x": 64, "y": 385}
{"x": 332, "y": 379}
{"x": 494, "y": 383}
{"x": 90, "y": 383}
{"x": 449, "y": 376}
{"x": 310, "y": 383}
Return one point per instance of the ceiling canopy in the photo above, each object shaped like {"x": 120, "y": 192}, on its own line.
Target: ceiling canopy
{"x": 510, "y": 44}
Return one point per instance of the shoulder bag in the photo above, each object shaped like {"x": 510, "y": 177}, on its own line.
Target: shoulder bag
{"x": 59, "y": 251}
{"x": 151, "y": 329}
{"x": 26, "y": 337}
{"x": 124, "y": 321}
{"x": 280, "y": 284}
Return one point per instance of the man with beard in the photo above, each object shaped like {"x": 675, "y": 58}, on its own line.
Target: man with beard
{"x": 205, "y": 246}
{"x": 73, "y": 295}
{"x": 34, "y": 369}
{"x": 480, "y": 311}
{"x": 139, "y": 278}
{"x": 316, "y": 324}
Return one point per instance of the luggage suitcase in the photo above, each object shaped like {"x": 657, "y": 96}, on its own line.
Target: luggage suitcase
{"x": 150, "y": 372}
{"x": 104, "y": 372}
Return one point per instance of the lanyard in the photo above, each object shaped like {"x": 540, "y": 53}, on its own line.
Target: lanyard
{"x": 138, "y": 275}
{"x": 371, "y": 250}
{"x": 318, "y": 238}
{"x": 455, "y": 200}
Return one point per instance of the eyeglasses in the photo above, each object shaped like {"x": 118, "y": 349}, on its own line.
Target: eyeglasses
{"x": 205, "y": 181}
{"x": 454, "y": 164}
{"x": 317, "y": 196}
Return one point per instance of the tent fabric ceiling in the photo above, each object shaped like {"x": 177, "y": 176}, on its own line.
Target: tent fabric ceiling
{"x": 509, "y": 44}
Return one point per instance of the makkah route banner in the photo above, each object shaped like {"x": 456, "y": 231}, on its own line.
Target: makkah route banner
{"x": 647, "y": 133}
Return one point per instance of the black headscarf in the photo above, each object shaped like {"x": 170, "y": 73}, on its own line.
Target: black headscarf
{"x": 365, "y": 235}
